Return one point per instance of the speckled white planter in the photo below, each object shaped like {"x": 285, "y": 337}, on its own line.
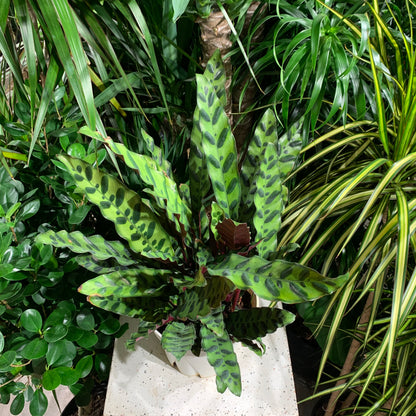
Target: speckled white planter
{"x": 143, "y": 383}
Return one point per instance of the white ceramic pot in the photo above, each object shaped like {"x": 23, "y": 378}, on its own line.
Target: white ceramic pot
{"x": 190, "y": 364}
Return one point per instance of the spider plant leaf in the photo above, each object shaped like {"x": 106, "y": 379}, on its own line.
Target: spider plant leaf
{"x": 96, "y": 245}
{"x": 141, "y": 281}
{"x": 257, "y": 322}
{"x": 269, "y": 200}
{"x": 275, "y": 280}
{"x": 164, "y": 189}
{"x": 178, "y": 338}
{"x": 219, "y": 147}
{"x": 221, "y": 355}
{"x": 399, "y": 277}
{"x": 134, "y": 220}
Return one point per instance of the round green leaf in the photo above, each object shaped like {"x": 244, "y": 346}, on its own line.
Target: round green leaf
{"x": 39, "y": 403}
{"x": 55, "y": 333}
{"x": 84, "y": 366}
{"x": 60, "y": 352}
{"x": 28, "y": 210}
{"x": 88, "y": 339}
{"x": 102, "y": 365}
{"x": 35, "y": 349}
{"x": 6, "y": 359}
{"x": 79, "y": 215}
{"x": 76, "y": 150}
{"x": 51, "y": 379}
{"x": 110, "y": 326}
{"x": 68, "y": 375}
{"x": 31, "y": 320}
{"x": 85, "y": 320}
{"x": 17, "y": 404}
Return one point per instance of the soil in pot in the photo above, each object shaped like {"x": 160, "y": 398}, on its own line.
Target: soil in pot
{"x": 94, "y": 408}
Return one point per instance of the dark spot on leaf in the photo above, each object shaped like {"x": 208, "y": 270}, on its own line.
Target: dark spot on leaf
{"x": 119, "y": 196}
{"x": 88, "y": 172}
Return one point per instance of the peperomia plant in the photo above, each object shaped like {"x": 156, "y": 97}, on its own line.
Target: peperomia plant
{"x": 197, "y": 250}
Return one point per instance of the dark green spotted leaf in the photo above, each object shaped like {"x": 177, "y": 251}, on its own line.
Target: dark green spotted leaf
{"x": 164, "y": 188}
{"x": 98, "y": 267}
{"x": 133, "y": 219}
{"x": 191, "y": 305}
{"x": 142, "y": 281}
{"x": 95, "y": 245}
{"x": 221, "y": 356}
{"x": 148, "y": 309}
{"x": 219, "y": 146}
{"x": 215, "y": 73}
{"x": 265, "y": 132}
{"x": 269, "y": 200}
{"x": 215, "y": 291}
{"x": 156, "y": 154}
{"x": 257, "y": 322}
{"x": 276, "y": 280}
{"x": 178, "y": 338}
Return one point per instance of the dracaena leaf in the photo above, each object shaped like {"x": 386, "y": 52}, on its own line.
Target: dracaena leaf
{"x": 142, "y": 281}
{"x": 219, "y": 147}
{"x": 133, "y": 220}
{"x": 220, "y": 353}
{"x": 276, "y": 280}
{"x": 257, "y": 322}
{"x": 178, "y": 338}
{"x": 95, "y": 245}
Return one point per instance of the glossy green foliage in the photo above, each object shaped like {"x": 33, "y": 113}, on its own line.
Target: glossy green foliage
{"x": 133, "y": 220}
{"x": 275, "y": 280}
{"x": 252, "y": 324}
{"x": 219, "y": 147}
{"x": 95, "y": 244}
{"x": 220, "y": 353}
{"x": 178, "y": 338}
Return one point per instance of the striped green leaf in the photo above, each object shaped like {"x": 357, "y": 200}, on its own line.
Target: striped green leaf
{"x": 156, "y": 154}
{"x": 133, "y": 220}
{"x": 219, "y": 147}
{"x": 178, "y": 338}
{"x": 221, "y": 355}
{"x": 269, "y": 200}
{"x": 276, "y": 280}
{"x": 141, "y": 281}
{"x": 95, "y": 245}
{"x": 257, "y": 322}
{"x": 164, "y": 188}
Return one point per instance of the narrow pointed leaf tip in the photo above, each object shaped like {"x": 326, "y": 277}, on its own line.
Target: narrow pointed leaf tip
{"x": 276, "y": 280}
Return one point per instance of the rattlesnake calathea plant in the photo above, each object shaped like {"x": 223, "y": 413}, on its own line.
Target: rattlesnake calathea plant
{"x": 190, "y": 253}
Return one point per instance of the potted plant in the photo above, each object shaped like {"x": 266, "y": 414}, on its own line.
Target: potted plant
{"x": 189, "y": 257}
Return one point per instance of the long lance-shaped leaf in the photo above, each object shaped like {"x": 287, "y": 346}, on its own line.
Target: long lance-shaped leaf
{"x": 95, "y": 245}
{"x": 156, "y": 153}
{"x": 148, "y": 309}
{"x": 221, "y": 355}
{"x": 198, "y": 172}
{"x": 219, "y": 147}
{"x": 257, "y": 322}
{"x": 142, "y": 281}
{"x": 90, "y": 263}
{"x": 265, "y": 133}
{"x": 178, "y": 338}
{"x": 276, "y": 280}
{"x": 133, "y": 220}
{"x": 164, "y": 190}
{"x": 400, "y": 277}
{"x": 269, "y": 200}
{"x": 288, "y": 149}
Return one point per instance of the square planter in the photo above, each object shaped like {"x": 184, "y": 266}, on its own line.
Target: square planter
{"x": 143, "y": 383}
